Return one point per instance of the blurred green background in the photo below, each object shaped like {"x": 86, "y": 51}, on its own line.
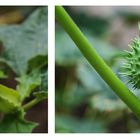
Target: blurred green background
{"x": 84, "y": 103}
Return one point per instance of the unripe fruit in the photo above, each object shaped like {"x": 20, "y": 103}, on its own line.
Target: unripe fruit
{"x": 132, "y": 65}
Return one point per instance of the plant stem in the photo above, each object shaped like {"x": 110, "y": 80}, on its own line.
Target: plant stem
{"x": 32, "y": 103}
{"x": 96, "y": 61}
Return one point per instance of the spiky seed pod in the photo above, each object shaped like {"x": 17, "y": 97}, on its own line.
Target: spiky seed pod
{"x": 132, "y": 65}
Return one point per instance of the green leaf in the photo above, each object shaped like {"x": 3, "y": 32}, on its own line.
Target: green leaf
{"x": 27, "y": 83}
{"x": 26, "y": 41}
{"x": 37, "y": 62}
{"x": 15, "y": 123}
{"x": 9, "y": 99}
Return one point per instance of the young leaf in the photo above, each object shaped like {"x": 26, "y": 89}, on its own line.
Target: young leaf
{"x": 9, "y": 99}
{"x": 15, "y": 123}
{"x": 27, "y": 83}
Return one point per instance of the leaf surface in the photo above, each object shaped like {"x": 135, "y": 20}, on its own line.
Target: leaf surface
{"x": 15, "y": 123}
{"x": 26, "y": 41}
{"x": 27, "y": 83}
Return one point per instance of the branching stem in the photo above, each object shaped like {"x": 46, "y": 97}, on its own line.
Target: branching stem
{"x": 32, "y": 103}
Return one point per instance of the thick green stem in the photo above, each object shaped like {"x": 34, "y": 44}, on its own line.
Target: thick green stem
{"x": 96, "y": 61}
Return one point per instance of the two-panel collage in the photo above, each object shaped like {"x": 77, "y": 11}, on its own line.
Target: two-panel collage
{"x": 97, "y": 69}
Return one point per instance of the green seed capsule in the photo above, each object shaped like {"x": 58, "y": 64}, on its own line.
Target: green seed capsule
{"x": 9, "y": 99}
{"x": 132, "y": 66}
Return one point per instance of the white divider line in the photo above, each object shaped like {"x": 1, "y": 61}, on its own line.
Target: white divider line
{"x": 51, "y": 69}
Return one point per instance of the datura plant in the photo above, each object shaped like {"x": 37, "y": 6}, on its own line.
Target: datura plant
{"x": 132, "y": 66}
{"x": 25, "y": 54}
